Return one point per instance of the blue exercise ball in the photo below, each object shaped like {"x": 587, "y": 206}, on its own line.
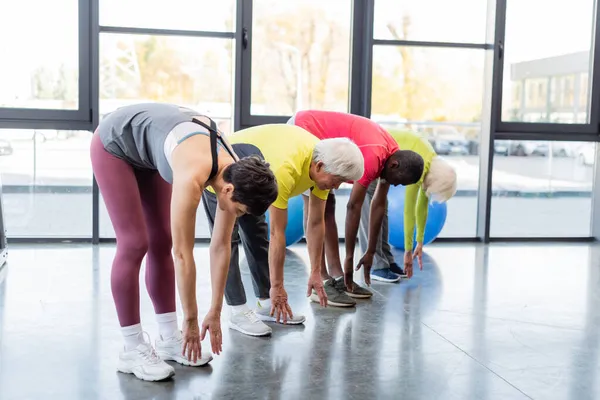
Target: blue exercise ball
{"x": 436, "y": 218}
{"x": 294, "y": 230}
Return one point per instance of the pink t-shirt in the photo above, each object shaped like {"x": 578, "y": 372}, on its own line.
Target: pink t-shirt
{"x": 374, "y": 142}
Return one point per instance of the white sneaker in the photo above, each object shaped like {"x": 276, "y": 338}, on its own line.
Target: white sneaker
{"x": 249, "y": 324}
{"x": 170, "y": 350}
{"x": 144, "y": 363}
{"x": 263, "y": 313}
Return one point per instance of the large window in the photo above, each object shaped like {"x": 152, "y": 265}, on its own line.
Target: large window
{"x": 434, "y": 90}
{"x": 554, "y": 48}
{"x": 542, "y": 189}
{"x": 179, "y": 52}
{"x": 300, "y": 56}
{"x": 188, "y": 71}
{"x": 47, "y": 183}
{"x": 461, "y": 21}
{"x": 424, "y": 66}
{"x": 41, "y": 72}
{"x": 190, "y": 15}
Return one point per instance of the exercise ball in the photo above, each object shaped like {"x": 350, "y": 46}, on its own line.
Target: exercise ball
{"x": 294, "y": 230}
{"x": 436, "y": 217}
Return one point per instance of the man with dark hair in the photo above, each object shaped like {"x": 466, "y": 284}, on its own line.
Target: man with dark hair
{"x": 385, "y": 162}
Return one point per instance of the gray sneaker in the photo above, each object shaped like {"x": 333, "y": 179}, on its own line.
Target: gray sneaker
{"x": 358, "y": 293}
{"x": 335, "y": 297}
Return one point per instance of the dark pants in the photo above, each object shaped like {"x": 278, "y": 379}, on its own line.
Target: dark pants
{"x": 254, "y": 237}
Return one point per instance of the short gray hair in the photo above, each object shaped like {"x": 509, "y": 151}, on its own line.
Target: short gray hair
{"x": 440, "y": 182}
{"x": 340, "y": 157}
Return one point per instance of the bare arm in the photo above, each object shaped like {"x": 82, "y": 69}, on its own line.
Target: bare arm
{"x": 376, "y": 214}
{"x": 184, "y": 203}
{"x": 357, "y": 197}
{"x": 278, "y": 221}
{"x": 220, "y": 256}
{"x": 315, "y": 232}
{"x": 315, "y": 235}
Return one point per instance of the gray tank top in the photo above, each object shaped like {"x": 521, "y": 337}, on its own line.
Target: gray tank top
{"x": 137, "y": 134}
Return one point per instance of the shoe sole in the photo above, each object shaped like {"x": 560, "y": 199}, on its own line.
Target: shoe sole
{"x": 183, "y": 361}
{"x": 245, "y": 332}
{"x": 268, "y": 318}
{"x": 380, "y": 279}
{"x": 315, "y": 299}
{"x": 359, "y": 296}
{"x": 143, "y": 377}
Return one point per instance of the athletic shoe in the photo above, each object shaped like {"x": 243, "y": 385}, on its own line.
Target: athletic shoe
{"x": 396, "y": 269}
{"x": 335, "y": 297}
{"x": 144, "y": 363}
{"x": 384, "y": 275}
{"x": 358, "y": 293}
{"x": 263, "y": 313}
{"x": 170, "y": 349}
{"x": 249, "y": 324}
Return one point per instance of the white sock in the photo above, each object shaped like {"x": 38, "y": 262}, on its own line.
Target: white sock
{"x": 132, "y": 335}
{"x": 239, "y": 309}
{"x": 167, "y": 324}
{"x": 265, "y": 303}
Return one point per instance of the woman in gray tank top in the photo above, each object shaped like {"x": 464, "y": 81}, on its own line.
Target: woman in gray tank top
{"x": 152, "y": 188}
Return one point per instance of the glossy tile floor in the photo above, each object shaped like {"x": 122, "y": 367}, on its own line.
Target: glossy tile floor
{"x": 497, "y": 322}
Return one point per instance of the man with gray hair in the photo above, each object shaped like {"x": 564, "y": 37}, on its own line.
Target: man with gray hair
{"x": 300, "y": 162}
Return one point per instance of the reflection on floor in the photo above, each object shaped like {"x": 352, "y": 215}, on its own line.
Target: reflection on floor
{"x": 497, "y": 322}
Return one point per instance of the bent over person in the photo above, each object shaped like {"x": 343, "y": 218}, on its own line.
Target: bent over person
{"x": 152, "y": 162}
{"x": 300, "y": 162}
{"x": 385, "y": 164}
{"x": 437, "y": 183}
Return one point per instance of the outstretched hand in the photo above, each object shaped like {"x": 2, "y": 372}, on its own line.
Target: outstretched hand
{"x": 191, "y": 340}
{"x": 315, "y": 282}
{"x": 367, "y": 263}
{"x": 212, "y": 324}
{"x": 418, "y": 254}
{"x": 280, "y": 309}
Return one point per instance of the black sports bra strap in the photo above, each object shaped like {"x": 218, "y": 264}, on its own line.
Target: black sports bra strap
{"x": 214, "y": 136}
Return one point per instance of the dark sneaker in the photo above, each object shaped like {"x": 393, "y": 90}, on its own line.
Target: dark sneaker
{"x": 396, "y": 269}
{"x": 384, "y": 275}
{"x": 335, "y": 297}
{"x": 358, "y": 293}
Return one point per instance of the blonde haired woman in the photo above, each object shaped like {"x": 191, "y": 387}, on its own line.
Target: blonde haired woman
{"x": 437, "y": 184}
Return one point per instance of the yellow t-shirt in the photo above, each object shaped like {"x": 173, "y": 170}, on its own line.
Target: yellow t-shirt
{"x": 289, "y": 151}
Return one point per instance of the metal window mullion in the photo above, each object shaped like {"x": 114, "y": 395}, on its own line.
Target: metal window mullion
{"x": 361, "y": 57}
{"x": 594, "y": 73}
{"x": 418, "y": 43}
{"x": 490, "y": 116}
{"x": 245, "y": 28}
{"x": 84, "y": 83}
{"x": 238, "y": 81}
{"x": 566, "y": 136}
{"x": 166, "y": 32}
{"x": 594, "y": 96}
{"x": 94, "y": 28}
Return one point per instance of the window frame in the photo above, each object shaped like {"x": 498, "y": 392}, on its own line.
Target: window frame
{"x": 557, "y": 131}
{"x": 80, "y": 119}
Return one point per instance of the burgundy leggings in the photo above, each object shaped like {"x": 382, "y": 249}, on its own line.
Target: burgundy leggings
{"x": 138, "y": 203}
